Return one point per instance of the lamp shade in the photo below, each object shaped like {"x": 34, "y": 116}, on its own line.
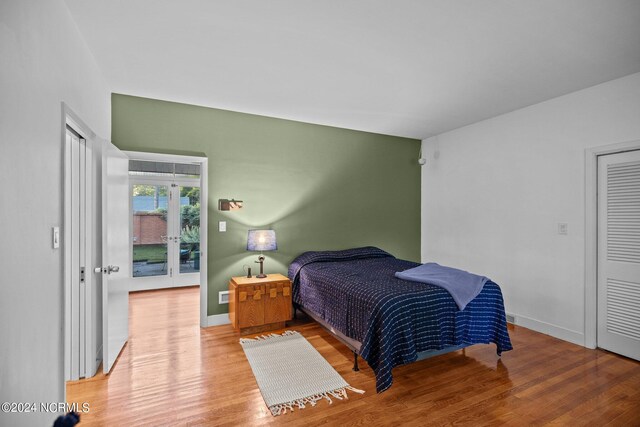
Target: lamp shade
{"x": 261, "y": 240}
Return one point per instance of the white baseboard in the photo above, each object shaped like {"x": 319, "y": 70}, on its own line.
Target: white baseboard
{"x": 549, "y": 329}
{"x": 218, "y": 319}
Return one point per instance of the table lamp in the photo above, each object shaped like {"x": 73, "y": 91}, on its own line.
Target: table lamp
{"x": 261, "y": 240}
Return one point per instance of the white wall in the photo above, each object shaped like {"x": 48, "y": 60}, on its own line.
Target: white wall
{"x": 494, "y": 192}
{"x": 44, "y": 61}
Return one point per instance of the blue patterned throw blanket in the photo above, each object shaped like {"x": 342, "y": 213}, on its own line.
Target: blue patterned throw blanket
{"x": 357, "y": 293}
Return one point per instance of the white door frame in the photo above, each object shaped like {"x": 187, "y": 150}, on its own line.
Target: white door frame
{"x": 204, "y": 250}
{"x": 591, "y": 235}
{"x": 70, "y": 118}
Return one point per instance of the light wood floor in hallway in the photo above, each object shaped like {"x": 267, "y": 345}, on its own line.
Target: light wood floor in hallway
{"x": 172, "y": 372}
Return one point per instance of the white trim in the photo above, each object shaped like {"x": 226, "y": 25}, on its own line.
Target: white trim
{"x": 66, "y": 246}
{"x": 591, "y": 235}
{"x": 72, "y": 119}
{"x": 204, "y": 248}
{"x": 204, "y": 174}
{"x": 549, "y": 329}
{"x": 218, "y": 319}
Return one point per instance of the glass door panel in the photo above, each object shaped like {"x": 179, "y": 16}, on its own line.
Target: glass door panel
{"x": 150, "y": 205}
{"x": 189, "y": 229}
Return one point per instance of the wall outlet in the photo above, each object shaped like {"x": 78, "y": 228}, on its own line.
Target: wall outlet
{"x": 563, "y": 228}
{"x": 511, "y": 318}
{"x": 222, "y": 226}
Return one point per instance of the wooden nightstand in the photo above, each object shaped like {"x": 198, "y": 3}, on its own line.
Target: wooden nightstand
{"x": 257, "y": 305}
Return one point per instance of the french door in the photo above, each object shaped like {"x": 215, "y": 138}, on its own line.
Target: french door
{"x": 165, "y": 231}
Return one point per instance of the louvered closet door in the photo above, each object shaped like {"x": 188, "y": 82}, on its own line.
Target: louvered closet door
{"x": 619, "y": 253}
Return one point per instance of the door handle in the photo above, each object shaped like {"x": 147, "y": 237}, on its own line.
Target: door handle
{"x": 113, "y": 269}
{"x": 107, "y": 270}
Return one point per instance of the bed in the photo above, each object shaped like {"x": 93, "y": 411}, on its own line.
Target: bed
{"x": 388, "y": 321}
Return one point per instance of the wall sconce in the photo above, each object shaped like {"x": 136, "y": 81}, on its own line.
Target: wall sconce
{"x": 229, "y": 205}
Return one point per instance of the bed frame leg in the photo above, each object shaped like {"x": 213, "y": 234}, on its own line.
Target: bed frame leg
{"x": 355, "y": 362}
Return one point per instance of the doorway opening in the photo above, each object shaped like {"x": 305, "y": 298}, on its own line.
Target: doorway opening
{"x": 168, "y": 223}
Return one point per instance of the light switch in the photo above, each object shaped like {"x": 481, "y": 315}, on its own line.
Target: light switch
{"x": 222, "y": 226}
{"x": 563, "y": 228}
{"x": 56, "y": 237}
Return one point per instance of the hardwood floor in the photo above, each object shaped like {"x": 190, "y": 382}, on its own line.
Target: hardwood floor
{"x": 172, "y": 372}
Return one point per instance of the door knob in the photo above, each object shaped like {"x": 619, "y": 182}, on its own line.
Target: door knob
{"x": 113, "y": 269}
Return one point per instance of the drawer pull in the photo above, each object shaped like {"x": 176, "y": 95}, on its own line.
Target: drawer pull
{"x": 257, "y": 294}
{"x": 242, "y": 296}
{"x": 273, "y": 292}
{"x": 285, "y": 291}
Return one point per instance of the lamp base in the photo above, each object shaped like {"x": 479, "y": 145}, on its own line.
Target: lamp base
{"x": 261, "y": 262}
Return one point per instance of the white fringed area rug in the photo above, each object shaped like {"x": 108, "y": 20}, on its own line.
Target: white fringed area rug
{"x": 291, "y": 373}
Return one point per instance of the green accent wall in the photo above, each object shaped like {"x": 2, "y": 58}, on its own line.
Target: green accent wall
{"x": 318, "y": 187}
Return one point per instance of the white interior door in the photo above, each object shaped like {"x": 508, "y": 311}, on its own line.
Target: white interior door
{"x": 619, "y": 253}
{"x": 115, "y": 253}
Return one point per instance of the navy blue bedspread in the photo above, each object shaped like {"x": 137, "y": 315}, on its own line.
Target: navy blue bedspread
{"x": 356, "y": 292}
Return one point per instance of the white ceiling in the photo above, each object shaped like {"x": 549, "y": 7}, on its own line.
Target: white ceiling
{"x": 408, "y": 68}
